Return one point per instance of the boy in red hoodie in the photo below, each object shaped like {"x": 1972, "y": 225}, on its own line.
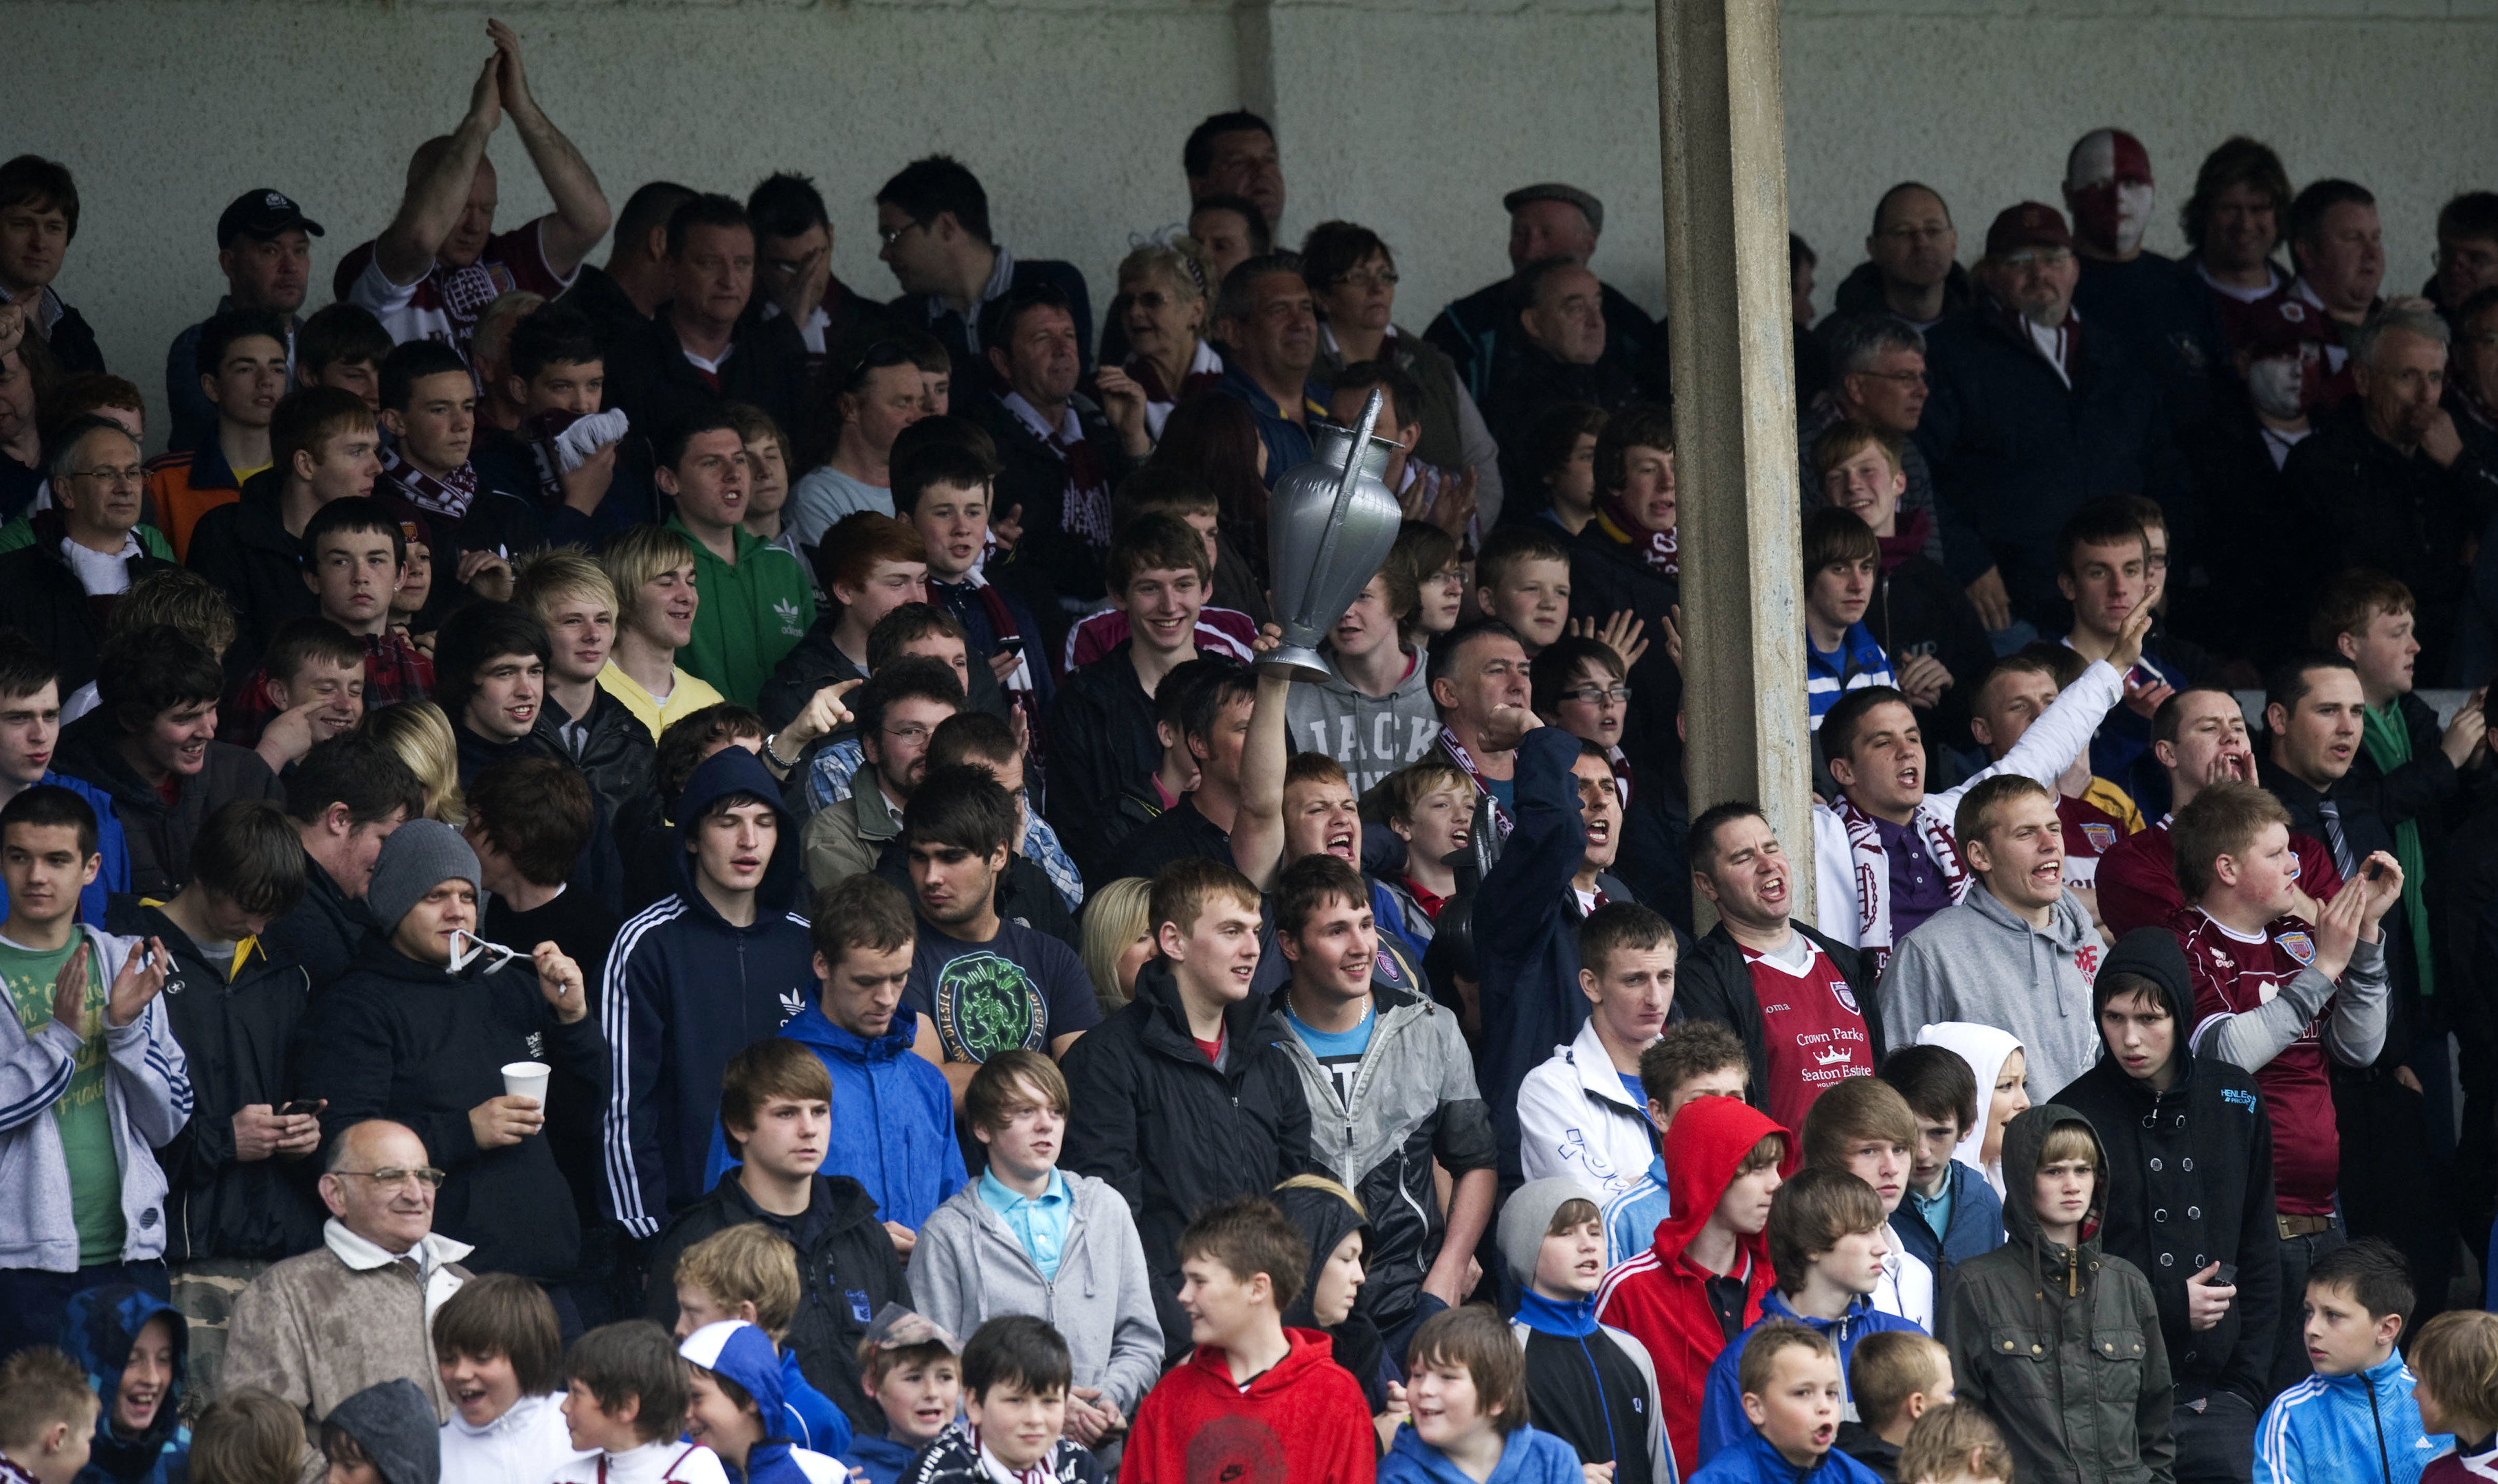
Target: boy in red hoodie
{"x": 1701, "y": 1284}
{"x": 1254, "y": 1401}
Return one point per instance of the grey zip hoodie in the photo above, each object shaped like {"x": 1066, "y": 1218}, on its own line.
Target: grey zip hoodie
{"x": 1371, "y": 736}
{"x": 1980, "y": 961}
{"x": 969, "y": 1269}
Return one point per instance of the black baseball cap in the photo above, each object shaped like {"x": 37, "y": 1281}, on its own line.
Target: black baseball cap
{"x": 262, "y": 213}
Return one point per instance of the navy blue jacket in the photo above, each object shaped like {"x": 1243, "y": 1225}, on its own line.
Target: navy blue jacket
{"x": 686, "y": 990}
{"x": 2015, "y": 451}
{"x": 1976, "y": 1227}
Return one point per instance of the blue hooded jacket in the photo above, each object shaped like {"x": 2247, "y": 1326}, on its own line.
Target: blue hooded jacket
{"x": 2362, "y": 1429}
{"x": 1723, "y": 1422}
{"x": 109, "y": 843}
{"x": 686, "y": 990}
{"x": 894, "y": 1117}
{"x": 1751, "y": 1460}
{"x": 1526, "y": 1457}
{"x": 1976, "y": 1223}
{"x": 885, "y": 1460}
{"x": 746, "y": 1356}
{"x": 97, "y": 1331}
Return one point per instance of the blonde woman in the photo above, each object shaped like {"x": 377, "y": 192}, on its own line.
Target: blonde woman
{"x": 419, "y": 734}
{"x": 1117, "y": 939}
{"x": 1164, "y": 292}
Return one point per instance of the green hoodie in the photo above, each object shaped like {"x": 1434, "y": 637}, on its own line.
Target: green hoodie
{"x": 748, "y": 615}
{"x": 2061, "y": 1345}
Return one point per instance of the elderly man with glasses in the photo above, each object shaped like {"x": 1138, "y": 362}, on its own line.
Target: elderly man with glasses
{"x": 62, "y": 569}
{"x": 2033, "y": 413}
{"x": 357, "y": 1310}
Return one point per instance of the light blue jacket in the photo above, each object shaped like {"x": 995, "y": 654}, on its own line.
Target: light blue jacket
{"x": 2362, "y": 1429}
{"x": 1722, "y": 1423}
{"x": 1526, "y": 1457}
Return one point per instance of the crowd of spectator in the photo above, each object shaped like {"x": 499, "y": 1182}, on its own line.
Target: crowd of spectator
{"x": 670, "y": 871}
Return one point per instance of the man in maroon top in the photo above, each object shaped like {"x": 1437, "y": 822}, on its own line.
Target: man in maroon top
{"x": 2200, "y": 737}
{"x": 438, "y": 265}
{"x": 2275, "y": 995}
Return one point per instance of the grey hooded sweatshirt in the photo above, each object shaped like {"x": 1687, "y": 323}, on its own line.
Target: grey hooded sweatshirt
{"x": 969, "y": 1268}
{"x": 1980, "y": 961}
{"x": 1371, "y": 736}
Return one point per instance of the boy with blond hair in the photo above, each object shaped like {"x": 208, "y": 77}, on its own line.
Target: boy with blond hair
{"x": 571, "y": 594}
{"x": 1864, "y": 1127}
{"x": 2455, "y": 1384}
{"x": 1955, "y": 1444}
{"x": 47, "y": 1414}
{"x": 749, "y": 1272}
{"x": 1895, "y": 1377}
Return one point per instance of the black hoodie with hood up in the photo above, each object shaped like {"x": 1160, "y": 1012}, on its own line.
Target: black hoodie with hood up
{"x": 685, "y": 990}
{"x": 1327, "y": 1220}
{"x": 2061, "y": 1345}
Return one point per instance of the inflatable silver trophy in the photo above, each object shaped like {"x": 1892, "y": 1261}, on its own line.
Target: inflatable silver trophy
{"x": 1331, "y": 523}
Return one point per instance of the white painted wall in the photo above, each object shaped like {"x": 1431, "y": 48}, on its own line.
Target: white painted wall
{"x": 1412, "y": 116}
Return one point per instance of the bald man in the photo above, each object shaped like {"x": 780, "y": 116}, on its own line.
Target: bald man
{"x": 439, "y": 264}
{"x": 358, "y": 1310}
{"x": 2153, "y": 303}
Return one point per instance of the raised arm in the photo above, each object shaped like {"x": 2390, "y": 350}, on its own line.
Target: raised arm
{"x": 1257, "y": 830}
{"x": 438, "y": 187}
{"x": 579, "y": 218}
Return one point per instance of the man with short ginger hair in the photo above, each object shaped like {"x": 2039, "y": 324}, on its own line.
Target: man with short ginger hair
{"x": 437, "y": 266}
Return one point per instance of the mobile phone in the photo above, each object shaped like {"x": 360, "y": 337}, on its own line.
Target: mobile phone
{"x": 1011, "y": 645}
{"x": 2227, "y": 1277}
{"x": 299, "y": 1107}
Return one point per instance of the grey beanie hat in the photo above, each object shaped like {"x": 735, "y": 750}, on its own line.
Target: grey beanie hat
{"x": 393, "y": 1422}
{"x": 420, "y": 855}
{"x": 1528, "y": 1215}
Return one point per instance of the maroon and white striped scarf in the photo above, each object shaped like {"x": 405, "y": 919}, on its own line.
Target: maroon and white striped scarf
{"x": 1660, "y": 550}
{"x": 447, "y": 498}
{"x": 1087, "y": 510}
{"x": 1873, "y": 870}
{"x": 1466, "y": 762}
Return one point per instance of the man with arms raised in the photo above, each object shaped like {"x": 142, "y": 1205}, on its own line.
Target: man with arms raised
{"x": 1791, "y": 994}
{"x": 439, "y": 264}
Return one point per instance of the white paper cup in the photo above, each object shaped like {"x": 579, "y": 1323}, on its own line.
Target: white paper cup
{"x": 525, "y": 1079}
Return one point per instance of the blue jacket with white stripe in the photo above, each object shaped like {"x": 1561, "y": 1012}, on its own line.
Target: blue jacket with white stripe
{"x": 2347, "y": 1429}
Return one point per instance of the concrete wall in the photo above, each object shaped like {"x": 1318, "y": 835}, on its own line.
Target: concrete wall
{"x": 1412, "y": 116}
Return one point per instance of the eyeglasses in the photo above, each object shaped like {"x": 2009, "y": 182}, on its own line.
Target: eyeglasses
{"x": 1597, "y": 695}
{"x": 912, "y": 733}
{"x": 889, "y": 236}
{"x": 425, "y": 1176}
{"x": 129, "y": 474}
{"x": 2029, "y": 258}
{"x": 1385, "y": 277}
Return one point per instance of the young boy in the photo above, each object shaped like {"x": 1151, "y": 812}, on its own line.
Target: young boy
{"x": 2091, "y": 1315}
{"x": 734, "y": 1407}
{"x": 30, "y": 734}
{"x": 1864, "y": 1127}
{"x": 1951, "y": 1214}
{"x": 1895, "y": 1377}
{"x": 626, "y": 1395}
{"x": 1727, "y": 1160}
{"x": 1696, "y": 1059}
{"x": 101, "y": 1081}
{"x": 913, "y": 1372}
{"x": 1431, "y": 806}
{"x": 2455, "y": 1370}
{"x": 1466, "y": 1383}
{"x": 1794, "y": 1398}
{"x": 751, "y": 1272}
{"x": 1593, "y": 1385}
{"x": 343, "y": 345}
{"x": 325, "y": 446}
{"x": 1523, "y": 578}
{"x": 1830, "y": 1245}
{"x": 383, "y": 1434}
{"x": 136, "y": 1348}
{"x": 1026, "y": 1231}
{"x": 1585, "y": 1111}
{"x": 1016, "y": 1381}
{"x": 48, "y": 1415}
{"x": 1955, "y": 1444}
{"x": 241, "y": 371}
{"x": 499, "y": 1352}
{"x": 943, "y": 491}
{"x": 1841, "y": 561}
{"x": 1253, "y": 1396}
{"x": 355, "y": 561}
{"x": 2354, "y": 1418}
{"x": 309, "y": 687}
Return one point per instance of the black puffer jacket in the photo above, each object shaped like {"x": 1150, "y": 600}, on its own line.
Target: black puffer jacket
{"x": 616, "y": 754}
{"x": 2060, "y": 1345}
{"x": 1717, "y": 985}
{"x": 421, "y": 1046}
{"x": 234, "y": 1038}
{"x": 846, "y": 1271}
{"x": 42, "y": 597}
{"x": 1157, "y": 1120}
{"x": 244, "y": 549}
{"x": 324, "y": 932}
{"x": 160, "y": 834}
{"x": 2190, "y": 1183}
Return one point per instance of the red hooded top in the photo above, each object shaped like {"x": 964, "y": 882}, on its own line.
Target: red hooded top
{"x": 1662, "y": 1298}
{"x": 1302, "y": 1420}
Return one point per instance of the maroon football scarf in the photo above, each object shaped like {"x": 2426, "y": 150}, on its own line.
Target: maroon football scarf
{"x": 1466, "y": 762}
{"x": 1660, "y": 550}
{"x": 1911, "y": 528}
{"x": 447, "y": 498}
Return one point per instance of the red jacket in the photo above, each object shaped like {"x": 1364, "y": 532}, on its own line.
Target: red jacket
{"x": 1662, "y": 1298}
{"x": 1302, "y": 1421}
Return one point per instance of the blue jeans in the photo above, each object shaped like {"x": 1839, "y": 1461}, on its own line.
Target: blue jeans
{"x": 33, "y": 1301}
